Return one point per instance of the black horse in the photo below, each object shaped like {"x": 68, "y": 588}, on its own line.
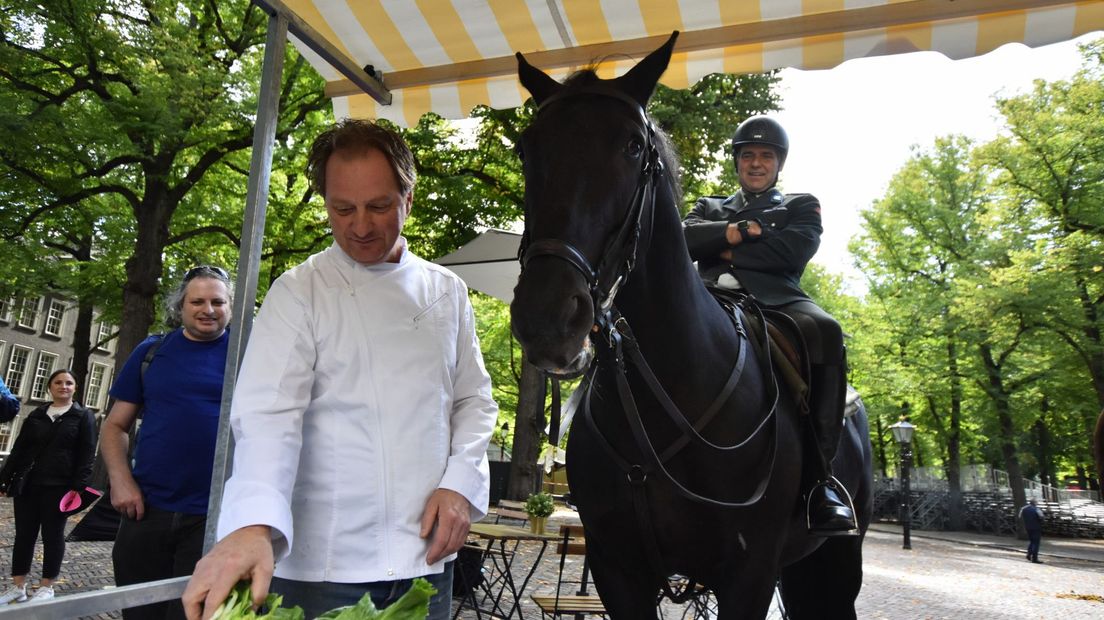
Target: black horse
{"x": 686, "y": 460}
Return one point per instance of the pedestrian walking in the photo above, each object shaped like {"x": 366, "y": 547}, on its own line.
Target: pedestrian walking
{"x": 1032, "y": 518}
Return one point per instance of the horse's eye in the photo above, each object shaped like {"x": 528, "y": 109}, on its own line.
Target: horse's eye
{"x": 634, "y": 148}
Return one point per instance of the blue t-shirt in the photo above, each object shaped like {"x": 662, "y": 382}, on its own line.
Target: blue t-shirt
{"x": 180, "y": 395}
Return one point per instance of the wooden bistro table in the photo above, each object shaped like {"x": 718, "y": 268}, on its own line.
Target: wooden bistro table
{"x": 497, "y": 561}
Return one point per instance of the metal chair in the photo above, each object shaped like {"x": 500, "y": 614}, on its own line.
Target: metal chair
{"x": 571, "y": 597}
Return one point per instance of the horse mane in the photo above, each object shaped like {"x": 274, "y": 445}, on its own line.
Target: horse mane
{"x": 672, "y": 169}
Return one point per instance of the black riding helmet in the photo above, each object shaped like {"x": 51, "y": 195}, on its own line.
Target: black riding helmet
{"x": 761, "y": 130}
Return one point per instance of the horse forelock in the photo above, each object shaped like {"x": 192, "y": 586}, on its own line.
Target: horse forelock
{"x": 581, "y": 83}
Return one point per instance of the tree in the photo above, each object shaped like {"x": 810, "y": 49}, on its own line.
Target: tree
{"x": 1051, "y": 166}
{"x": 921, "y": 241}
{"x": 120, "y": 115}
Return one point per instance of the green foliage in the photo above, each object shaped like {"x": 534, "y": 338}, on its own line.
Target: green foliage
{"x": 501, "y": 355}
{"x": 128, "y": 128}
{"x": 984, "y": 265}
{"x": 539, "y": 505}
{"x": 700, "y": 121}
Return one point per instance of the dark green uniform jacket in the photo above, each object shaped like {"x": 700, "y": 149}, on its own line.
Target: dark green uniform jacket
{"x": 769, "y": 267}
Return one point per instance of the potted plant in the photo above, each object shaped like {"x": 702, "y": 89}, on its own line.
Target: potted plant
{"x": 539, "y": 507}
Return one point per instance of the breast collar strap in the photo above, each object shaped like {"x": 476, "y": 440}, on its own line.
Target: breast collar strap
{"x": 619, "y": 254}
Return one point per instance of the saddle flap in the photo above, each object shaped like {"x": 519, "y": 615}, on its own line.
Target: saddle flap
{"x": 787, "y": 345}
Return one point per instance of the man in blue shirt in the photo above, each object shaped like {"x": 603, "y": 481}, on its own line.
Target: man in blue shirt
{"x": 1033, "y": 522}
{"x": 177, "y": 393}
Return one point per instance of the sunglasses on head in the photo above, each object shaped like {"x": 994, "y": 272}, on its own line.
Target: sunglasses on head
{"x": 208, "y": 270}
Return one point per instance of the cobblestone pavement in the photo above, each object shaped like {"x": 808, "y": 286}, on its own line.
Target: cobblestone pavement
{"x": 944, "y": 576}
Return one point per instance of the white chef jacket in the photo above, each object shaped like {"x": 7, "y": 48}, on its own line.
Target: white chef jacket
{"x": 362, "y": 390}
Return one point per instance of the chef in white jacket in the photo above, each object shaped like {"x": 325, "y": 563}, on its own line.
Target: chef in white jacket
{"x": 362, "y": 410}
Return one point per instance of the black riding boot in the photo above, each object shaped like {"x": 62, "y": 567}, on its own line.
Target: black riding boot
{"x": 828, "y": 506}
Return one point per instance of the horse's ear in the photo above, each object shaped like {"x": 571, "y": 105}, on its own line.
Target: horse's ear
{"x": 536, "y": 81}
{"x": 640, "y": 81}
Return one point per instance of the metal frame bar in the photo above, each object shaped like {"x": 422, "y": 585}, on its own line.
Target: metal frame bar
{"x": 361, "y": 80}
{"x": 98, "y": 601}
{"x": 249, "y": 257}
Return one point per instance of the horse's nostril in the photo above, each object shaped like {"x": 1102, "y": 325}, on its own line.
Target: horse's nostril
{"x": 580, "y": 312}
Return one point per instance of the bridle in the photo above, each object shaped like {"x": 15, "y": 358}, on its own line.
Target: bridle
{"x": 619, "y": 254}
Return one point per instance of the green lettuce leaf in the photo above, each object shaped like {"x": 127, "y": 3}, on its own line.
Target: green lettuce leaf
{"x": 239, "y": 606}
{"x": 414, "y": 605}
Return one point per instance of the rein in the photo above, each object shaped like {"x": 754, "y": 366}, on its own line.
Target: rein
{"x": 622, "y": 344}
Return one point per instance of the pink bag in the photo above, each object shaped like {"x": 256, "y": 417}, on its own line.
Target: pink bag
{"x": 74, "y": 502}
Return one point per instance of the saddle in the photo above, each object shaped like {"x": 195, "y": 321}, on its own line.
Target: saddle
{"x": 788, "y": 348}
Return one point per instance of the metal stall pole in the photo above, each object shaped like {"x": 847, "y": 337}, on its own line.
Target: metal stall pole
{"x": 249, "y": 257}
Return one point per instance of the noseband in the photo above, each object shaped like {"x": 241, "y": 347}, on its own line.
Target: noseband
{"x": 619, "y": 255}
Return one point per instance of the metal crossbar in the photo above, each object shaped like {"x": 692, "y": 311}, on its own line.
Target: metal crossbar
{"x": 98, "y": 601}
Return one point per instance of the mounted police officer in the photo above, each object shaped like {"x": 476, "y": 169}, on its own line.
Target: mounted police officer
{"x": 759, "y": 240}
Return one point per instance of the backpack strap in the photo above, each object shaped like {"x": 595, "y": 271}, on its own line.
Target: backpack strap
{"x": 146, "y": 361}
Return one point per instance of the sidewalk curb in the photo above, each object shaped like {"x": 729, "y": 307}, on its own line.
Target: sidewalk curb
{"x": 949, "y": 537}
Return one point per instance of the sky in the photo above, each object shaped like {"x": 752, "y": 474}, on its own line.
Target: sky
{"x": 851, "y": 128}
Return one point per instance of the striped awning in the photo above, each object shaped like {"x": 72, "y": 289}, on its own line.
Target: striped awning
{"x": 451, "y": 55}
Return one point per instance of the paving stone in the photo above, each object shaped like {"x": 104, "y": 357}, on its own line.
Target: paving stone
{"x": 946, "y": 575}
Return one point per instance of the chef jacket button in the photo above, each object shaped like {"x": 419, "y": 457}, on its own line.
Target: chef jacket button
{"x": 390, "y": 572}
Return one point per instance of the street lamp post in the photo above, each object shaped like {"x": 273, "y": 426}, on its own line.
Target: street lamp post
{"x": 902, "y": 432}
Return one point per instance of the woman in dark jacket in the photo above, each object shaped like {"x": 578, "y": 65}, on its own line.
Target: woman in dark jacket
{"x": 57, "y": 441}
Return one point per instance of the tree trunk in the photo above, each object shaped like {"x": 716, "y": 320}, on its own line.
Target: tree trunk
{"x": 82, "y": 346}
{"x": 1001, "y": 399}
{"x": 143, "y": 270}
{"x": 954, "y": 436}
{"x": 879, "y": 445}
{"x": 1091, "y": 330}
{"x": 525, "y": 473}
{"x": 1082, "y": 477}
{"x": 1042, "y": 453}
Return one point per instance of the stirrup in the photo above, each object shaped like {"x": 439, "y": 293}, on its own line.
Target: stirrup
{"x": 841, "y": 490}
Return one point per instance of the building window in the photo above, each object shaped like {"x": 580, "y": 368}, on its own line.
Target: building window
{"x": 104, "y": 336}
{"x": 17, "y": 369}
{"x": 47, "y": 362}
{"x": 54, "y": 317}
{"x": 28, "y": 312}
{"x": 97, "y": 379}
{"x": 5, "y": 309}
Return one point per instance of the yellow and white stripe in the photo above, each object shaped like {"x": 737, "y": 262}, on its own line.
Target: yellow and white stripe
{"x": 448, "y": 56}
